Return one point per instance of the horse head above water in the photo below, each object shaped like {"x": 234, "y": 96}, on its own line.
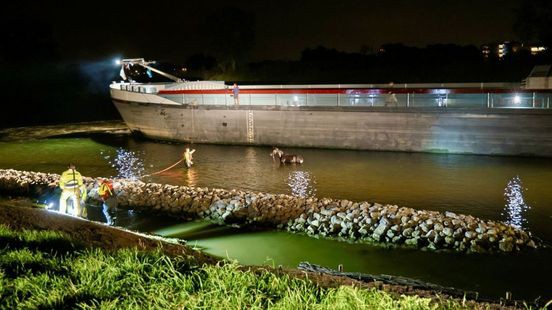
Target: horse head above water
{"x": 286, "y": 158}
{"x": 276, "y": 152}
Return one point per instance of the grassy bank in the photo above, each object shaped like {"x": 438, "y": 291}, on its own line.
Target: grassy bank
{"x": 46, "y": 269}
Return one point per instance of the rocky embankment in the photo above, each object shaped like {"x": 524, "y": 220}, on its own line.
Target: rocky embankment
{"x": 314, "y": 216}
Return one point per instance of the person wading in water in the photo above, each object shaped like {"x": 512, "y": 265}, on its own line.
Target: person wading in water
{"x": 188, "y": 157}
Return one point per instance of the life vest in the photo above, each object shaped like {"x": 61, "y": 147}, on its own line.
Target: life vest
{"x": 106, "y": 189}
{"x": 70, "y": 179}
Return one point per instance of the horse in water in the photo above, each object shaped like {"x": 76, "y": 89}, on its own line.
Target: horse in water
{"x": 285, "y": 158}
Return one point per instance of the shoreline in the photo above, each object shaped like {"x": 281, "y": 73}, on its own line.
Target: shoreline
{"x": 317, "y": 217}
{"x": 19, "y": 214}
{"x": 63, "y": 130}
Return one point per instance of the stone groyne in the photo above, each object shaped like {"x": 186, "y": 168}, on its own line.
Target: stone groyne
{"x": 324, "y": 217}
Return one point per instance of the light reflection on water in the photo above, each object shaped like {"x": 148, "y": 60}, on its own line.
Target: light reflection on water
{"x": 128, "y": 164}
{"x": 301, "y": 184}
{"x": 191, "y": 177}
{"x": 515, "y": 208}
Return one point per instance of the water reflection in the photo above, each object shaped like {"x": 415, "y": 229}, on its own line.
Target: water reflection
{"x": 250, "y": 162}
{"x": 515, "y": 204}
{"x": 128, "y": 164}
{"x": 301, "y": 184}
{"x": 191, "y": 177}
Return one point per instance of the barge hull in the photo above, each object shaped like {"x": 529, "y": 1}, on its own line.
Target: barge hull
{"x": 435, "y": 130}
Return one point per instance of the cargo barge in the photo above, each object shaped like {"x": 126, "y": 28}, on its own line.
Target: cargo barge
{"x": 458, "y": 118}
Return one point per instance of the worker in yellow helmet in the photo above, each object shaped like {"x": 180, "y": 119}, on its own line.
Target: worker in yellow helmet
{"x": 72, "y": 188}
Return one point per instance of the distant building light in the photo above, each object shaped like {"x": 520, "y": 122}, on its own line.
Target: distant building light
{"x": 501, "y": 50}
{"x": 537, "y": 49}
{"x": 517, "y": 99}
{"x": 507, "y": 48}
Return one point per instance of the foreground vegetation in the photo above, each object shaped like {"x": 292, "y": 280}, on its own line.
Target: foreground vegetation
{"x": 46, "y": 269}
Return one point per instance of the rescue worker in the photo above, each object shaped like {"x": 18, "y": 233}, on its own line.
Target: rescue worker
{"x": 188, "y": 157}
{"x": 72, "y": 188}
{"x": 106, "y": 193}
{"x": 106, "y": 189}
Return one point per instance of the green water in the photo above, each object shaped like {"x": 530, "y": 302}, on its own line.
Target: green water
{"x": 464, "y": 184}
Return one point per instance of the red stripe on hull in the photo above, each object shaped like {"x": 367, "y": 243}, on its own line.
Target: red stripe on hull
{"x": 345, "y": 91}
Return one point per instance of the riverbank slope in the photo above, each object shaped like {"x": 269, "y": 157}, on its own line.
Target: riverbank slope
{"x": 92, "y": 242}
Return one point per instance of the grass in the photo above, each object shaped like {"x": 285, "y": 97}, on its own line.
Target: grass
{"x": 47, "y": 270}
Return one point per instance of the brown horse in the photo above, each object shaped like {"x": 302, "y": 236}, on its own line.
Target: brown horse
{"x": 286, "y": 158}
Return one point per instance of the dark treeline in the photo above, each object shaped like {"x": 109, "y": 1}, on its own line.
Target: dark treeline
{"x": 393, "y": 62}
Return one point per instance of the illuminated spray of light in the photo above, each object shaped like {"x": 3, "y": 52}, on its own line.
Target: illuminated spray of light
{"x": 301, "y": 184}
{"x": 98, "y": 73}
{"x": 515, "y": 205}
{"x": 128, "y": 164}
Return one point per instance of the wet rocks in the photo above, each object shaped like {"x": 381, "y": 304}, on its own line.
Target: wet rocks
{"x": 359, "y": 221}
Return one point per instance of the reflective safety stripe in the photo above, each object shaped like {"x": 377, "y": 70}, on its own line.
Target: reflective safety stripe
{"x": 105, "y": 189}
{"x": 71, "y": 184}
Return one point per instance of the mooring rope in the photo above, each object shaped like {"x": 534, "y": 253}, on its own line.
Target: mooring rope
{"x": 161, "y": 171}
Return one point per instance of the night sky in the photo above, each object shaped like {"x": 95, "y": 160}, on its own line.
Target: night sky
{"x": 174, "y": 30}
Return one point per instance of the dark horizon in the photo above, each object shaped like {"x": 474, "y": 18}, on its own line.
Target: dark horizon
{"x": 279, "y": 31}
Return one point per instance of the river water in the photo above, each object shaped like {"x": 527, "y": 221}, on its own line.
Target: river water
{"x": 513, "y": 189}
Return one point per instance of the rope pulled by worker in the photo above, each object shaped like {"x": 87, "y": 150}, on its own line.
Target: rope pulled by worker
{"x": 166, "y": 169}
{"x": 186, "y": 156}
